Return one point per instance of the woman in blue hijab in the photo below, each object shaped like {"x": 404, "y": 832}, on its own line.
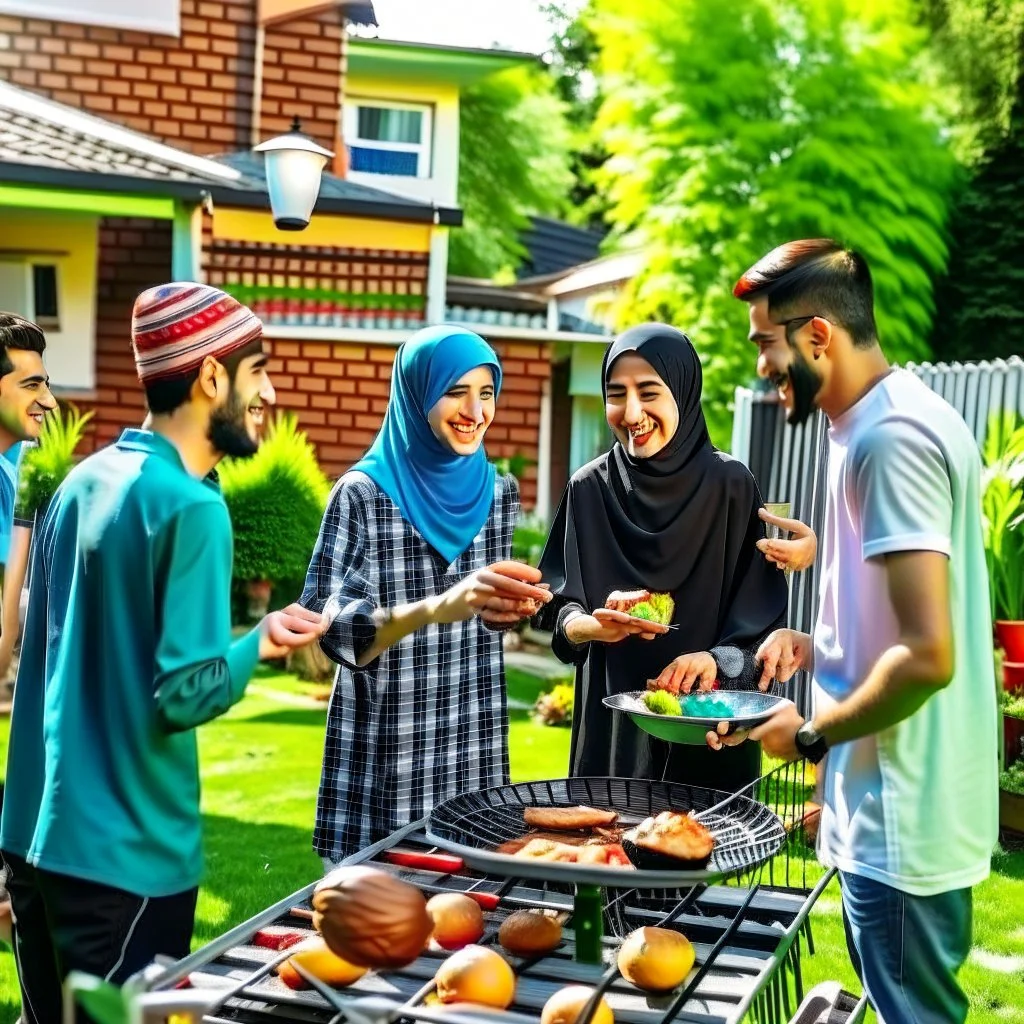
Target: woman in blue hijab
{"x": 408, "y": 565}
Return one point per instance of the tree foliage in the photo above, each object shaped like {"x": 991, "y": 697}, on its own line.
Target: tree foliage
{"x": 981, "y": 299}
{"x": 980, "y": 44}
{"x": 783, "y": 119}
{"x": 514, "y": 160}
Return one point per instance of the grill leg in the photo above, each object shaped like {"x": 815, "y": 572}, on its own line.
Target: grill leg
{"x": 588, "y": 923}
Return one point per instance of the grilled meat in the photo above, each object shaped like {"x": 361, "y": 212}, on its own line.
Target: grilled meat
{"x": 675, "y": 835}
{"x": 568, "y": 819}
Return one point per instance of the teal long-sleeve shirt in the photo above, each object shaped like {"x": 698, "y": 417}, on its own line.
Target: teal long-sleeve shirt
{"x": 127, "y": 648}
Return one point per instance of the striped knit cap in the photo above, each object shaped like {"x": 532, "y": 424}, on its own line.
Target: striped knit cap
{"x": 176, "y": 326}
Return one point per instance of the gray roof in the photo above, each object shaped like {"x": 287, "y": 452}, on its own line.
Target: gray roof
{"x": 44, "y": 143}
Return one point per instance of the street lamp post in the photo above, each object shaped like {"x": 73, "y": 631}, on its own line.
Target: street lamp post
{"x": 294, "y": 163}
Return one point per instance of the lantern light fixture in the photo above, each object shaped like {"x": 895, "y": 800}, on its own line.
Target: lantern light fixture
{"x": 293, "y": 165}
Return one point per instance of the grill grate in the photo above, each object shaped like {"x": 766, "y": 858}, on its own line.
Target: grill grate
{"x": 746, "y": 832}
{"x": 747, "y": 935}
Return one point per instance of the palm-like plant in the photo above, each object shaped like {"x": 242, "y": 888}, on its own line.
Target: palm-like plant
{"x": 1003, "y": 515}
{"x": 44, "y": 466}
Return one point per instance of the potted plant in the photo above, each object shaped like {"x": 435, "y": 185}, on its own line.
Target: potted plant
{"x": 1003, "y": 516}
{"x": 1011, "y": 797}
{"x": 44, "y": 466}
{"x": 1013, "y": 725}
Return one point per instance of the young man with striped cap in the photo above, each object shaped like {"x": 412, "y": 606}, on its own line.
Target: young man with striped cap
{"x": 127, "y": 649}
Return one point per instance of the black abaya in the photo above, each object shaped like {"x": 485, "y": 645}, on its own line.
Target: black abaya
{"x": 684, "y": 521}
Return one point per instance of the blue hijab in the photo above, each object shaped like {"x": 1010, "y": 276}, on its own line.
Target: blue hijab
{"x": 446, "y": 497}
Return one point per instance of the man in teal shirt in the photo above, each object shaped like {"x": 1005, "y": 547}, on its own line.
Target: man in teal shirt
{"x": 127, "y": 648}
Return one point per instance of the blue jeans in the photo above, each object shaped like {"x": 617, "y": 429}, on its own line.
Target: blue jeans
{"x": 907, "y": 950}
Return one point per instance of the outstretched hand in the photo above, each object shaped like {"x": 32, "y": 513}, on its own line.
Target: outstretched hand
{"x": 795, "y": 554}
{"x": 289, "y": 628}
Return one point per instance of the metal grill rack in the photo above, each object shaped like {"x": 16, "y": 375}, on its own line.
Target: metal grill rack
{"x": 749, "y": 932}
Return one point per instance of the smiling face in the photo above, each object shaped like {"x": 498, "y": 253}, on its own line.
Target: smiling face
{"x": 461, "y": 416}
{"x": 236, "y": 425}
{"x": 783, "y": 361}
{"x": 639, "y": 407}
{"x": 25, "y": 396}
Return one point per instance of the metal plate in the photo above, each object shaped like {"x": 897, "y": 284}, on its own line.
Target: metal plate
{"x": 473, "y": 824}
{"x": 747, "y": 709}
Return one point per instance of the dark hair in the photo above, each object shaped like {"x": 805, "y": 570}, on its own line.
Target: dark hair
{"x": 21, "y": 334}
{"x": 164, "y": 396}
{"x": 815, "y": 276}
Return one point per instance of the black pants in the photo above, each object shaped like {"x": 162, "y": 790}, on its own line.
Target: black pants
{"x": 64, "y": 924}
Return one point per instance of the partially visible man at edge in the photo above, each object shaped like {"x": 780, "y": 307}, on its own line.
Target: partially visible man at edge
{"x": 24, "y": 400}
{"x": 127, "y": 649}
{"x": 904, "y": 684}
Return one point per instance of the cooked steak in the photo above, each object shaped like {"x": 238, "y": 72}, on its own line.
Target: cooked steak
{"x": 568, "y": 819}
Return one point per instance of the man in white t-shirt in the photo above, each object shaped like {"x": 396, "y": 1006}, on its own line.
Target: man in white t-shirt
{"x": 904, "y": 684}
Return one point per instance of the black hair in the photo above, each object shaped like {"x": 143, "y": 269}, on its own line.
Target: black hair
{"x": 165, "y": 396}
{"x": 815, "y": 277}
{"x": 18, "y": 333}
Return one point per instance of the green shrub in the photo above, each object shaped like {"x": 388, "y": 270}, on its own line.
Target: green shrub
{"x": 44, "y": 466}
{"x": 1003, "y": 514}
{"x": 528, "y": 539}
{"x": 1012, "y": 703}
{"x": 556, "y": 706}
{"x": 276, "y": 500}
{"x": 1012, "y": 780}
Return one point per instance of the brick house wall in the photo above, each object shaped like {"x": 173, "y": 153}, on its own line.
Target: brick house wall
{"x": 338, "y": 391}
{"x": 194, "y": 91}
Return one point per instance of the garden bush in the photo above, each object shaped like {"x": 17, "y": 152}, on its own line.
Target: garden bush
{"x": 44, "y": 466}
{"x": 276, "y": 500}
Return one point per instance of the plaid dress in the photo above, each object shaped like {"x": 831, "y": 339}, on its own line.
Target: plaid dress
{"x": 428, "y": 719}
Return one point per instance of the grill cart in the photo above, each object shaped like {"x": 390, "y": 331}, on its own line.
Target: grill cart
{"x": 746, "y": 915}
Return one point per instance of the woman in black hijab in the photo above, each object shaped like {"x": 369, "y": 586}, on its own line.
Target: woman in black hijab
{"x": 662, "y": 511}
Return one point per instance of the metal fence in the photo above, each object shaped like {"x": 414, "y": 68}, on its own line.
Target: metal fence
{"x": 789, "y": 463}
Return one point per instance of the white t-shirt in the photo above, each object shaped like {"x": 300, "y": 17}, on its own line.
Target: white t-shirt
{"x": 915, "y": 806}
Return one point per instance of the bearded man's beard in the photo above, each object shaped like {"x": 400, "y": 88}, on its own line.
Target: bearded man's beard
{"x": 227, "y": 431}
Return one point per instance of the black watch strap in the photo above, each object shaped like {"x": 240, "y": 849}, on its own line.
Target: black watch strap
{"x": 811, "y": 743}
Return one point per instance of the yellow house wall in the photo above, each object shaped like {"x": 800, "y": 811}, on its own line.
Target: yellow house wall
{"x": 324, "y": 229}
{"x": 74, "y": 238}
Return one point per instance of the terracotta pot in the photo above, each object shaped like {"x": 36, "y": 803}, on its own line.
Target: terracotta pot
{"x": 1011, "y": 812}
{"x": 1013, "y": 739}
{"x": 1013, "y": 675}
{"x": 1011, "y": 639}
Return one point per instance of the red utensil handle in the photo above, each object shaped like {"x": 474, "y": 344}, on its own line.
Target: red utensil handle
{"x": 443, "y": 862}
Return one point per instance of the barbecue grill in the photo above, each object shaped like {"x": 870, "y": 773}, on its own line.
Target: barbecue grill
{"x": 747, "y": 918}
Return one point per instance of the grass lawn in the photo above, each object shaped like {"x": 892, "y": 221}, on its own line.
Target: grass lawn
{"x": 260, "y": 772}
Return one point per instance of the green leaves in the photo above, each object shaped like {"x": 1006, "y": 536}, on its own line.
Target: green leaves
{"x": 513, "y": 162}
{"x": 276, "y": 500}
{"x": 1002, "y": 506}
{"x": 44, "y": 467}
{"x": 731, "y": 134}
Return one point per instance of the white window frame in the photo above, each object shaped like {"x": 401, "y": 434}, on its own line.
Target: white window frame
{"x": 162, "y": 17}
{"x": 423, "y": 149}
{"x": 28, "y": 263}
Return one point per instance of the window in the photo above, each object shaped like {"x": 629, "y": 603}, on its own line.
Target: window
{"x": 163, "y": 16}
{"x": 44, "y": 295}
{"x": 388, "y": 138}
{"x": 30, "y": 289}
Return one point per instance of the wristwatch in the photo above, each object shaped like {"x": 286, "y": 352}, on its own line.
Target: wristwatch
{"x": 811, "y": 743}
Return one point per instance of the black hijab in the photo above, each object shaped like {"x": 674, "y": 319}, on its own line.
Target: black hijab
{"x": 684, "y": 521}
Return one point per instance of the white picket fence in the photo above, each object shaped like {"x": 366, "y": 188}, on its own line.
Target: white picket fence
{"x": 789, "y": 463}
